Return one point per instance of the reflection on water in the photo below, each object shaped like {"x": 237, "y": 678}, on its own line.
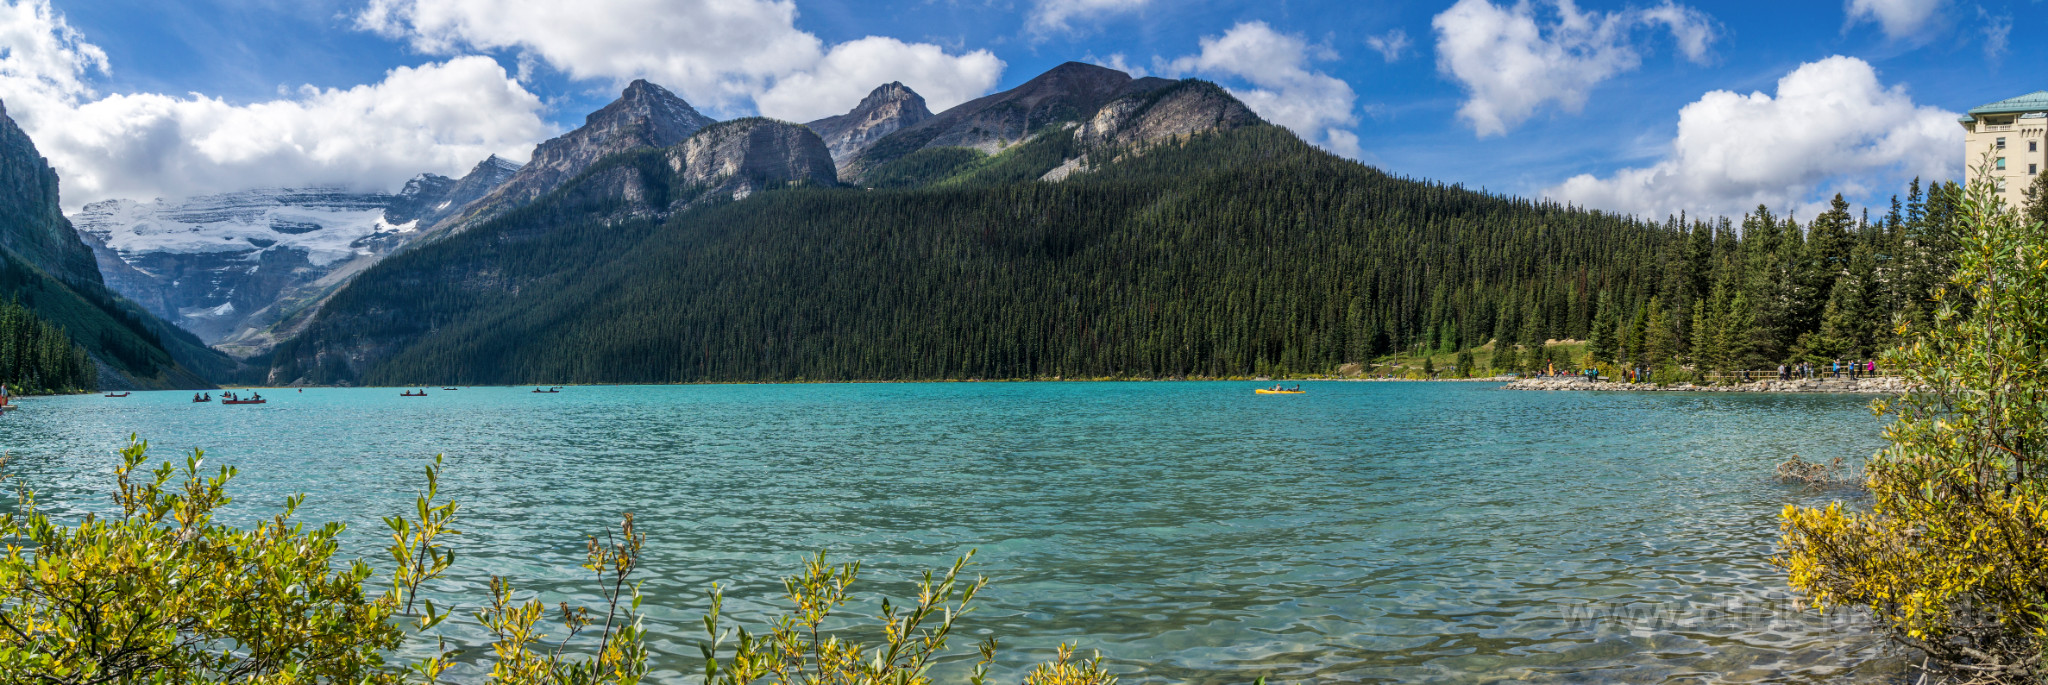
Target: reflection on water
{"x": 1194, "y": 532}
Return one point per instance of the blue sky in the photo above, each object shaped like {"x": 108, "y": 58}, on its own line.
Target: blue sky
{"x": 1582, "y": 102}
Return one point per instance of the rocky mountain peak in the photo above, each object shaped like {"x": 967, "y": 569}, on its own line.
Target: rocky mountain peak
{"x": 495, "y": 164}
{"x": 645, "y": 116}
{"x": 890, "y": 93}
{"x": 645, "y": 103}
{"x": 1067, "y": 93}
{"x": 1076, "y": 80}
{"x": 429, "y": 198}
{"x": 888, "y": 109}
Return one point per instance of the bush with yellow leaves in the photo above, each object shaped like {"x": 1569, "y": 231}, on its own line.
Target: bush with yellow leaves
{"x": 1951, "y": 555}
{"x": 163, "y": 594}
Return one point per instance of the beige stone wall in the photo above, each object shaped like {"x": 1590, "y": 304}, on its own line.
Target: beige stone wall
{"x": 2025, "y": 151}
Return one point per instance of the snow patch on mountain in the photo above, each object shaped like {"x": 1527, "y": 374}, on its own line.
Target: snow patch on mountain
{"x": 326, "y": 224}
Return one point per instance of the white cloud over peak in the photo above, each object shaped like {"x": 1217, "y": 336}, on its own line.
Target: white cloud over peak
{"x": 724, "y": 55}
{"x": 1831, "y": 127}
{"x": 1514, "y": 60}
{"x": 1284, "y": 89}
{"x": 440, "y": 117}
{"x": 1055, "y": 15}
{"x": 854, "y": 68}
{"x": 1900, "y": 19}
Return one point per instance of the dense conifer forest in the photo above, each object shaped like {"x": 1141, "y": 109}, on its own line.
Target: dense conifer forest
{"x": 38, "y": 358}
{"x": 1229, "y": 254}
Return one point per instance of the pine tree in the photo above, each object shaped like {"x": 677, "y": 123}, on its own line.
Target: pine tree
{"x": 1602, "y": 341}
{"x": 1465, "y": 363}
{"x": 1660, "y": 339}
{"x": 1845, "y": 324}
{"x": 1705, "y": 356}
{"x": 1739, "y": 336}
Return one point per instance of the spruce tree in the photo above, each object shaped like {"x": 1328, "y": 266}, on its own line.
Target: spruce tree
{"x": 1660, "y": 339}
{"x": 1704, "y": 356}
{"x": 1739, "y": 336}
{"x": 1601, "y": 341}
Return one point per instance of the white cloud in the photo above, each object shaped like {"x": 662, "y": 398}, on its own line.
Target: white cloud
{"x": 1390, "y": 45}
{"x": 854, "y": 68}
{"x": 1318, "y": 107}
{"x": 1055, "y": 15}
{"x": 440, "y": 117}
{"x": 1997, "y": 34}
{"x": 723, "y": 55}
{"x": 1900, "y": 19}
{"x": 1831, "y": 127}
{"x": 1512, "y": 61}
{"x": 1118, "y": 62}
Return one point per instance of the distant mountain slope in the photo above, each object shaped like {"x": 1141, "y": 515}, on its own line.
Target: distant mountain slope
{"x": 46, "y": 268}
{"x": 1186, "y": 238}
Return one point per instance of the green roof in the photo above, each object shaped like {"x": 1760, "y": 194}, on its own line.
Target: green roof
{"x": 2036, "y": 101}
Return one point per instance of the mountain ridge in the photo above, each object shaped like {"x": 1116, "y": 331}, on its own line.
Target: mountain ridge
{"x": 644, "y": 116}
{"x": 991, "y": 123}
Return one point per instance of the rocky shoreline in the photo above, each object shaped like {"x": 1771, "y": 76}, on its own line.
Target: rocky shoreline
{"x": 1865, "y": 386}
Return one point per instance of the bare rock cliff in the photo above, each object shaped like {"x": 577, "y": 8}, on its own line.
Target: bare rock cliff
{"x": 1177, "y": 111}
{"x": 749, "y": 155}
{"x": 31, "y": 225}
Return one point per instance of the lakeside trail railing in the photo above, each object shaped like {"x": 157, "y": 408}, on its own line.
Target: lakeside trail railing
{"x": 1772, "y": 375}
{"x": 1733, "y": 377}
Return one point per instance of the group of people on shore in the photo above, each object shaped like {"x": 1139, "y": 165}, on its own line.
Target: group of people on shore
{"x": 1834, "y": 369}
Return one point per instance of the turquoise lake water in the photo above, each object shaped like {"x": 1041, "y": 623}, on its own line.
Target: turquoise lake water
{"x": 1193, "y": 532}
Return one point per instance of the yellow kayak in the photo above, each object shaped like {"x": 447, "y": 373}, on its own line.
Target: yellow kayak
{"x": 1263, "y": 391}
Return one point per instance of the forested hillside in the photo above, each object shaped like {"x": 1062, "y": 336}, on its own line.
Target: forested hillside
{"x": 1232, "y": 253}
{"x": 1236, "y": 251}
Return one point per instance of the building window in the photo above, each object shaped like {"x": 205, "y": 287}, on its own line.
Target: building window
{"x": 2001, "y": 143}
{"x": 1999, "y": 164}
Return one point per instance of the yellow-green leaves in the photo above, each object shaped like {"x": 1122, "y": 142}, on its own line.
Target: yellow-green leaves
{"x": 163, "y": 594}
{"x": 1952, "y": 553}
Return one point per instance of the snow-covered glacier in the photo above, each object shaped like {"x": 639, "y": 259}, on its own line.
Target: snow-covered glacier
{"x": 226, "y": 267}
{"x": 326, "y": 224}
{"x": 210, "y": 263}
